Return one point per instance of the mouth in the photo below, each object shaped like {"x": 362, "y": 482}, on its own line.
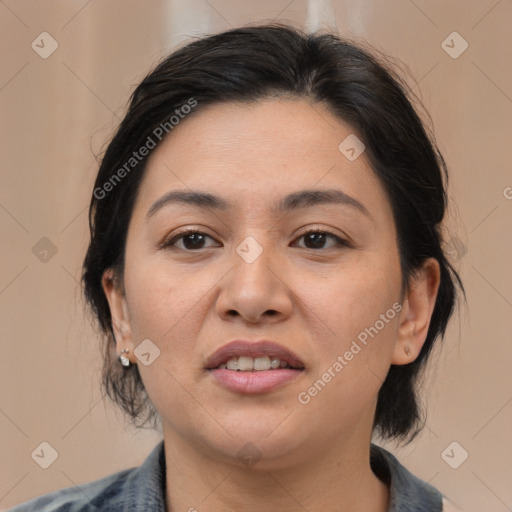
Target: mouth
{"x": 246, "y": 356}
{"x": 254, "y": 367}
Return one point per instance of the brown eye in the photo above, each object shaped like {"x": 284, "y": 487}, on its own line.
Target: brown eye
{"x": 188, "y": 241}
{"x": 317, "y": 239}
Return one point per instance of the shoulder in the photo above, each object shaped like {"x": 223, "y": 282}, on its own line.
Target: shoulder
{"x": 113, "y": 492}
{"x": 80, "y": 498}
{"x": 407, "y": 492}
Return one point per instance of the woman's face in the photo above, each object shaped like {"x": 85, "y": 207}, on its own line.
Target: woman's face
{"x": 252, "y": 274}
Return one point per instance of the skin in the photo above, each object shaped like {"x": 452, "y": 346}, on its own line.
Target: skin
{"x": 313, "y": 299}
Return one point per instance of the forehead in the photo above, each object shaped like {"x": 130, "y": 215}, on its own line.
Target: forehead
{"x": 256, "y": 153}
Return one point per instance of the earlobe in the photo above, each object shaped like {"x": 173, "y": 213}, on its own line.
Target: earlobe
{"x": 416, "y": 312}
{"x": 119, "y": 311}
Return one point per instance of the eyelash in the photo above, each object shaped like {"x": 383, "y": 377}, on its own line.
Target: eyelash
{"x": 170, "y": 243}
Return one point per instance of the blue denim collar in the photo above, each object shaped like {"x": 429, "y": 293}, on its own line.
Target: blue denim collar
{"x": 407, "y": 492}
{"x": 143, "y": 489}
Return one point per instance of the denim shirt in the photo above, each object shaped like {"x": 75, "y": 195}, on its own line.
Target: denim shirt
{"x": 142, "y": 489}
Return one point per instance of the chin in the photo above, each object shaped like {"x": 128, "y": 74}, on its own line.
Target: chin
{"x": 255, "y": 449}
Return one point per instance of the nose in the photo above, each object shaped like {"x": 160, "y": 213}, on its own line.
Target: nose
{"x": 255, "y": 292}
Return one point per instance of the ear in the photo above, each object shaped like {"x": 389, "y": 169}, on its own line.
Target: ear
{"x": 119, "y": 313}
{"x": 418, "y": 306}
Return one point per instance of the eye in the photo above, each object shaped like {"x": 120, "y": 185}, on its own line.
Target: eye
{"x": 316, "y": 239}
{"x": 192, "y": 239}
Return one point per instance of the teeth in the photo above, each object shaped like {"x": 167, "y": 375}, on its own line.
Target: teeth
{"x": 247, "y": 364}
{"x": 262, "y": 363}
{"x": 232, "y": 364}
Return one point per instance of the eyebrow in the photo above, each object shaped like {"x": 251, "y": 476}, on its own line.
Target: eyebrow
{"x": 293, "y": 201}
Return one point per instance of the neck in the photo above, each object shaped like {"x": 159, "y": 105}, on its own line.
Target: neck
{"x": 338, "y": 479}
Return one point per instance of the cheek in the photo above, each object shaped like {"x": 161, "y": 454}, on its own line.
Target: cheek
{"x": 352, "y": 363}
{"x": 164, "y": 308}
{"x": 161, "y": 309}
{"x": 356, "y": 320}
{"x": 352, "y": 300}
{"x": 162, "y": 299}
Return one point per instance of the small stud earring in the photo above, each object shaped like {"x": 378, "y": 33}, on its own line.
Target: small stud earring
{"x": 124, "y": 360}
{"x": 407, "y": 350}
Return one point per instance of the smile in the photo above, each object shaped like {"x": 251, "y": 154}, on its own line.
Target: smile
{"x": 256, "y": 364}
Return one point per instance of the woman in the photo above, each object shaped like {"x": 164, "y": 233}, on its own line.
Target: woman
{"x": 267, "y": 268}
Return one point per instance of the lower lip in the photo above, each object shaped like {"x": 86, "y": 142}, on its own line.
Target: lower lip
{"x": 252, "y": 383}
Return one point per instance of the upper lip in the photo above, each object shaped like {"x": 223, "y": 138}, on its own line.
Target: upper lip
{"x": 262, "y": 348}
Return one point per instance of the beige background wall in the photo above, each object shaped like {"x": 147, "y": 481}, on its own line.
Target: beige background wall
{"x": 57, "y": 112}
